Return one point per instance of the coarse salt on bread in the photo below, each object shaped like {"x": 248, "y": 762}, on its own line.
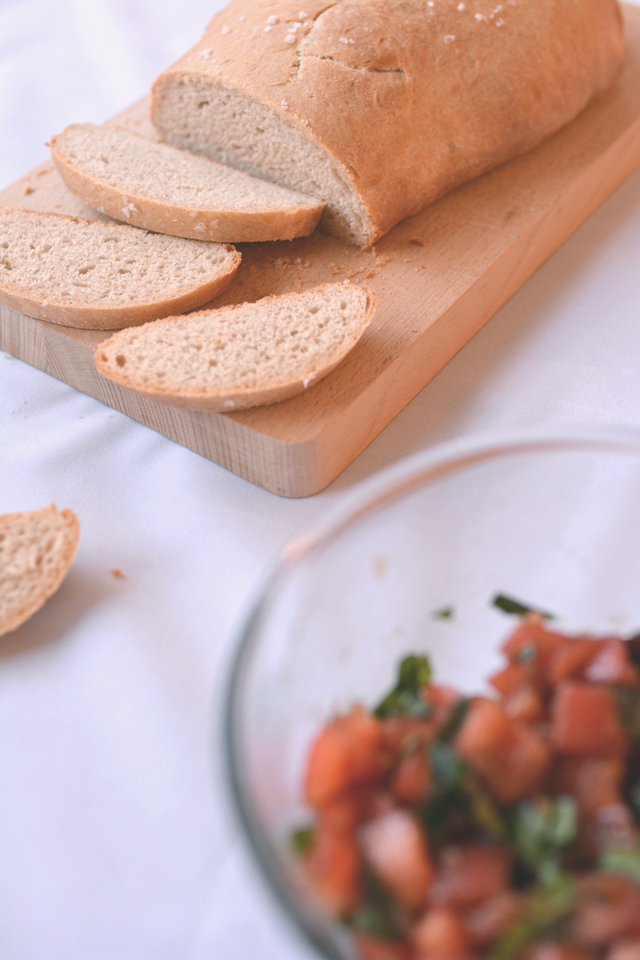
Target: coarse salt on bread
{"x": 173, "y": 191}
{"x": 381, "y": 106}
{"x": 242, "y": 356}
{"x": 36, "y": 550}
{"x": 99, "y": 275}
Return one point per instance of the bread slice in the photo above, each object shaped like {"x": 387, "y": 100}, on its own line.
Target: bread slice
{"x": 99, "y": 275}
{"x": 242, "y": 356}
{"x": 36, "y": 550}
{"x": 173, "y": 191}
{"x": 382, "y": 106}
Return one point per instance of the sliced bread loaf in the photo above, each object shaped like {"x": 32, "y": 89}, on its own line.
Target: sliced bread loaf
{"x": 242, "y": 356}
{"x": 98, "y": 275}
{"x": 36, "y": 550}
{"x": 173, "y": 191}
{"x": 381, "y": 106}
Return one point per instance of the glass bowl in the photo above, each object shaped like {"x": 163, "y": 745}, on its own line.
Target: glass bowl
{"x": 551, "y": 519}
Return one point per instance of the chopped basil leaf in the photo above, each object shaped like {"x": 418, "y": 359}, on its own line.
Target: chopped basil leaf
{"x": 301, "y": 839}
{"x": 633, "y": 645}
{"x": 622, "y": 861}
{"x": 454, "y": 720}
{"x": 458, "y": 804}
{"x": 509, "y": 605}
{"x": 446, "y": 765}
{"x": 444, "y": 613}
{"x": 547, "y": 906}
{"x": 378, "y": 914}
{"x": 628, "y": 701}
{"x": 541, "y": 830}
{"x": 406, "y": 697}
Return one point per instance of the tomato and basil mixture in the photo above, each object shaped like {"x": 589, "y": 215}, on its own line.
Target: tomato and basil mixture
{"x": 449, "y": 827}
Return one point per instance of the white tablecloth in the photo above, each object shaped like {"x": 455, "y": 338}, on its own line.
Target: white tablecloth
{"x": 116, "y": 837}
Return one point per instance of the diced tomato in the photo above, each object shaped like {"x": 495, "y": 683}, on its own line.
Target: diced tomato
{"x": 347, "y": 811}
{"x": 532, "y": 646}
{"x": 510, "y": 679}
{"x": 555, "y": 950}
{"x": 613, "y": 828}
{"x": 597, "y": 784}
{"x": 334, "y": 865}
{"x": 493, "y": 917}
{"x": 511, "y": 757}
{"x": 525, "y": 704}
{"x": 441, "y": 699}
{"x": 629, "y": 950}
{"x": 374, "y": 948}
{"x": 608, "y": 908}
{"x": 611, "y": 664}
{"x": 441, "y": 933}
{"x": 569, "y": 659}
{"x": 349, "y": 751}
{"x": 470, "y": 874}
{"x": 412, "y": 777}
{"x": 584, "y": 721}
{"x": 395, "y": 846}
{"x": 401, "y": 733}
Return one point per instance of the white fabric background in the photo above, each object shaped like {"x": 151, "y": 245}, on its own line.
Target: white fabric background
{"x": 116, "y": 839}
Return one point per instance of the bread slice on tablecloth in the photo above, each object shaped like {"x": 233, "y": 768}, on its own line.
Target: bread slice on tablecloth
{"x": 99, "y": 275}
{"x": 163, "y": 188}
{"x": 36, "y": 550}
{"x": 241, "y": 356}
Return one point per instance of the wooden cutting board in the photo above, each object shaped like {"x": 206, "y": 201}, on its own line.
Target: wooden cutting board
{"x": 439, "y": 276}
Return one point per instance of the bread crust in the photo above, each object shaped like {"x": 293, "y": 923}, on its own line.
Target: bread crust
{"x": 92, "y": 316}
{"x": 229, "y": 401}
{"x": 409, "y": 100}
{"x": 65, "y": 558}
{"x": 178, "y": 220}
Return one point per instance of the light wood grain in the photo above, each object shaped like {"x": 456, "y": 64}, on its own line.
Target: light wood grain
{"x": 439, "y": 276}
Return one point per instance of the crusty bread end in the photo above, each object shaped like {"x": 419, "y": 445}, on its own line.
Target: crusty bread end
{"x": 36, "y": 550}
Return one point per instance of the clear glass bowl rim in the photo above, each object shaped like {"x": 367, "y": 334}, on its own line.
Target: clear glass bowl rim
{"x": 366, "y": 498}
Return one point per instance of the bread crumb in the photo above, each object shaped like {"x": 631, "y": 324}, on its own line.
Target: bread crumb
{"x": 418, "y": 242}
{"x": 303, "y": 15}
{"x": 381, "y": 261}
{"x": 449, "y": 37}
{"x": 242, "y": 17}
{"x": 413, "y": 330}
{"x": 370, "y": 273}
{"x": 27, "y": 189}
{"x": 289, "y": 38}
{"x": 272, "y": 20}
{"x": 334, "y": 268}
{"x": 117, "y": 573}
{"x": 225, "y": 30}
{"x": 266, "y": 29}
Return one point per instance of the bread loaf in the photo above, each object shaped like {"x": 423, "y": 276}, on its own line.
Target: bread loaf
{"x": 36, "y": 550}
{"x": 241, "y": 356}
{"x": 381, "y": 106}
{"x": 98, "y": 275}
{"x": 172, "y": 191}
